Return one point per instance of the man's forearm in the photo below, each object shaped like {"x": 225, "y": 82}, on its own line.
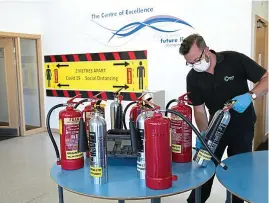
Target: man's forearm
{"x": 201, "y": 121}
{"x": 262, "y": 87}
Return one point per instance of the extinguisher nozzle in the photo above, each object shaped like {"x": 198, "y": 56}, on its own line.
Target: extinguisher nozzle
{"x": 225, "y": 167}
{"x": 82, "y": 137}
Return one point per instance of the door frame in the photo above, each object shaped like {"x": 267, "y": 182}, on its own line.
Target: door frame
{"x": 260, "y": 134}
{"x": 12, "y": 129}
{"x": 17, "y": 37}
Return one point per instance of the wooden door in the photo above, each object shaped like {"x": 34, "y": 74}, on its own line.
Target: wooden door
{"x": 261, "y": 57}
{"x": 9, "y": 111}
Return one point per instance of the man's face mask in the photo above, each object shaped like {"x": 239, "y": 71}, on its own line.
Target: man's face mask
{"x": 200, "y": 65}
{"x": 203, "y": 66}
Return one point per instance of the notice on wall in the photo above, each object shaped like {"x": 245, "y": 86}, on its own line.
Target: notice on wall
{"x": 97, "y": 71}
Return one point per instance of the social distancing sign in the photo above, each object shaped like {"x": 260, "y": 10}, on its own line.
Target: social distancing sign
{"x": 98, "y": 71}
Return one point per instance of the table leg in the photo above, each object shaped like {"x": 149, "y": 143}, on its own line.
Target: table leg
{"x": 61, "y": 195}
{"x": 156, "y": 200}
{"x": 198, "y": 195}
{"x": 121, "y": 201}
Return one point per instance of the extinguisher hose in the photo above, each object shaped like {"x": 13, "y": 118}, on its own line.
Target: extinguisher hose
{"x": 199, "y": 136}
{"x": 168, "y": 105}
{"x": 49, "y": 129}
{"x": 80, "y": 102}
{"x": 124, "y": 113}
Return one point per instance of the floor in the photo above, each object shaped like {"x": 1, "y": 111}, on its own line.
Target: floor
{"x": 25, "y": 174}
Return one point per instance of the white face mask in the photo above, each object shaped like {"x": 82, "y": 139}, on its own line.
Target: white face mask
{"x": 201, "y": 67}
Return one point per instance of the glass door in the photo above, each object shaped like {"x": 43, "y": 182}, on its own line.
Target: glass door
{"x": 9, "y": 111}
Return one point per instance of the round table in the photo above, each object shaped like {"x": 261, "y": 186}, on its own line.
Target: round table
{"x": 247, "y": 176}
{"x": 123, "y": 183}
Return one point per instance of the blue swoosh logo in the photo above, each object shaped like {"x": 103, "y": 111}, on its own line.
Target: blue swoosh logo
{"x": 134, "y": 27}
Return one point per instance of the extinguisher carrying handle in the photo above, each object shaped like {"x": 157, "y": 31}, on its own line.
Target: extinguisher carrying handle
{"x": 224, "y": 166}
{"x": 49, "y": 129}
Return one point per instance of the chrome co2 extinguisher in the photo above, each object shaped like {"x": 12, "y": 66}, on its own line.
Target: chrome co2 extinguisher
{"x": 89, "y": 111}
{"x": 181, "y": 132}
{"x": 158, "y": 152}
{"x": 69, "y": 118}
{"x": 98, "y": 148}
{"x": 116, "y": 111}
{"x": 214, "y": 133}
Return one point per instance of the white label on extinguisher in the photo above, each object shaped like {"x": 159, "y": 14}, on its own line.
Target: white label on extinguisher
{"x": 141, "y": 165}
{"x": 71, "y": 131}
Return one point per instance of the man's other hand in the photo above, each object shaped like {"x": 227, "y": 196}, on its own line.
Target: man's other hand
{"x": 242, "y": 102}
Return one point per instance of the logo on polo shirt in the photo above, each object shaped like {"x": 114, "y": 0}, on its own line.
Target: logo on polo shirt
{"x": 227, "y": 78}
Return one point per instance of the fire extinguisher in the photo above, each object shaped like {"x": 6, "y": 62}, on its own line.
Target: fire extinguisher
{"x": 214, "y": 133}
{"x": 98, "y": 148}
{"x": 135, "y": 110}
{"x": 116, "y": 111}
{"x": 181, "y": 132}
{"x": 158, "y": 153}
{"x": 69, "y": 122}
{"x": 89, "y": 111}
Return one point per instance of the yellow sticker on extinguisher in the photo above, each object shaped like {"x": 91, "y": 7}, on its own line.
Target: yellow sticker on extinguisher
{"x": 176, "y": 148}
{"x": 96, "y": 172}
{"x": 204, "y": 154}
{"x": 60, "y": 127}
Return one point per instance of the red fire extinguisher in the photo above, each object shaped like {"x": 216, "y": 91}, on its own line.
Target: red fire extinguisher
{"x": 158, "y": 152}
{"x": 69, "y": 119}
{"x": 181, "y": 132}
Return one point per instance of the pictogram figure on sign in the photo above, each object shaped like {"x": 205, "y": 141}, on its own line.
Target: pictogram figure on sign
{"x": 48, "y": 75}
{"x": 141, "y": 74}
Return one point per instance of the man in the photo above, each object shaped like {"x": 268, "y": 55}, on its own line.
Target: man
{"x": 215, "y": 78}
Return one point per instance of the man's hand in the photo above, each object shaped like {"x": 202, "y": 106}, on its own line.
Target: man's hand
{"x": 242, "y": 102}
{"x": 199, "y": 144}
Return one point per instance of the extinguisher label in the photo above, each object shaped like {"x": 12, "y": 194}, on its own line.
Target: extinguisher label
{"x": 141, "y": 165}
{"x": 71, "y": 138}
{"x": 92, "y": 144}
{"x": 96, "y": 172}
{"x": 181, "y": 134}
{"x": 60, "y": 127}
{"x": 176, "y": 148}
{"x": 203, "y": 154}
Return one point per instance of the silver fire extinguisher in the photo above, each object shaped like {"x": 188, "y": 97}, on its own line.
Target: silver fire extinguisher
{"x": 141, "y": 162}
{"x": 213, "y": 135}
{"x": 116, "y": 113}
{"x": 98, "y": 149}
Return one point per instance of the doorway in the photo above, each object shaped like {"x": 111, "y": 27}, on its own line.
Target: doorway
{"x": 22, "y": 105}
{"x": 261, "y": 57}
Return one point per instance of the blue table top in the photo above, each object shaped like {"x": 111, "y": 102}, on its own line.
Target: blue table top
{"x": 123, "y": 183}
{"x": 247, "y": 176}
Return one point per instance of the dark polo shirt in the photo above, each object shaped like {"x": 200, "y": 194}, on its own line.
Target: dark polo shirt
{"x": 231, "y": 73}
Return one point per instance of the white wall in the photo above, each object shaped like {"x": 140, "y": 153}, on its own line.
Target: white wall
{"x": 260, "y": 8}
{"x": 71, "y": 31}
{"x": 21, "y": 16}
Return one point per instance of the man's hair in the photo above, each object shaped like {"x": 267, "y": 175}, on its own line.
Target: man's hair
{"x": 189, "y": 41}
